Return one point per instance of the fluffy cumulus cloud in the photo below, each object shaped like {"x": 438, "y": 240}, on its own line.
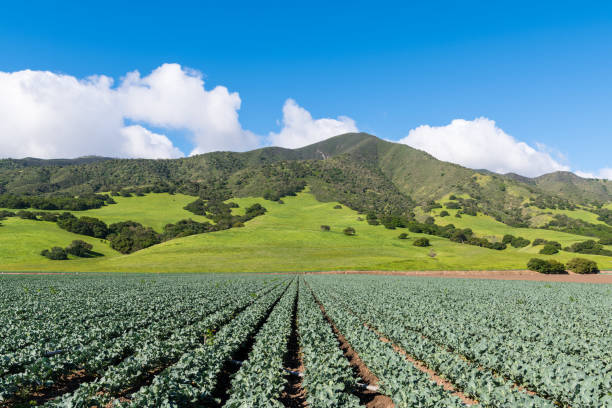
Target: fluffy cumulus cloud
{"x": 300, "y": 129}
{"x": 605, "y": 173}
{"x": 480, "y": 144}
{"x": 45, "y": 114}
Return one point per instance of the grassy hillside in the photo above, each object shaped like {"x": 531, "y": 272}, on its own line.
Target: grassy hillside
{"x": 287, "y": 238}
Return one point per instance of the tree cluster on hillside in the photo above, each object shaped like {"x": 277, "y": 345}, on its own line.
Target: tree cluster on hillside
{"x": 55, "y": 202}
{"x": 575, "y": 226}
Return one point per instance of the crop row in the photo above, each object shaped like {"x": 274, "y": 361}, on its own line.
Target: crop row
{"x": 484, "y": 360}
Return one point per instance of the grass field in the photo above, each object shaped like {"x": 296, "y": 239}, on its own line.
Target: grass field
{"x": 152, "y": 210}
{"x": 287, "y": 238}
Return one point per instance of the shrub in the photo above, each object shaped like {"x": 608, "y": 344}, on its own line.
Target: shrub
{"x": 56, "y": 254}
{"x": 27, "y": 215}
{"x": 403, "y": 235}
{"x": 184, "y": 228}
{"x": 459, "y": 236}
{"x": 457, "y": 215}
{"x": 507, "y": 238}
{"x": 325, "y": 228}
{"x": 582, "y": 265}
{"x": 549, "y": 249}
{"x": 605, "y": 241}
{"x": 544, "y": 266}
{"x": 444, "y": 213}
{"x": 588, "y": 247}
{"x": 421, "y": 242}
{"x": 452, "y": 206}
{"x": 432, "y": 254}
{"x": 80, "y": 248}
{"x": 538, "y": 241}
{"x": 349, "y": 231}
{"x": 452, "y": 197}
{"x": 337, "y": 207}
{"x": 373, "y": 222}
{"x": 129, "y": 236}
{"x": 519, "y": 242}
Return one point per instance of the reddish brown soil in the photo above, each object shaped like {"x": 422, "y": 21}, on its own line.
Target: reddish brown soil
{"x": 447, "y": 385}
{"x": 369, "y": 398}
{"x": 497, "y": 275}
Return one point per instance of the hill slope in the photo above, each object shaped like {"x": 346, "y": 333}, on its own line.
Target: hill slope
{"x": 357, "y": 169}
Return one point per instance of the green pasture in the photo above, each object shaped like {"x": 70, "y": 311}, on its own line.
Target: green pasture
{"x": 151, "y": 210}
{"x": 287, "y": 238}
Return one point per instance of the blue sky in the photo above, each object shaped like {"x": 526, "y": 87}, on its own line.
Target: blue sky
{"x": 540, "y": 70}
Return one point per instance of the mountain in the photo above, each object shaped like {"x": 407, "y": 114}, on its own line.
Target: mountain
{"x": 358, "y": 169}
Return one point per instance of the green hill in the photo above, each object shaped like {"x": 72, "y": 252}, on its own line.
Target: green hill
{"x": 390, "y": 183}
{"x": 287, "y": 238}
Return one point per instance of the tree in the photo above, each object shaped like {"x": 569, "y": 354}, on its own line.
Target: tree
{"x": 337, "y": 207}
{"x": 444, "y": 213}
{"x": 519, "y": 242}
{"x": 544, "y": 266}
{"x": 325, "y": 228}
{"x": 56, "y": 254}
{"x": 349, "y": 231}
{"x": 421, "y": 242}
{"x": 507, "y": 238}
{"x": 549, "y": 249}
{"x": 80, "y": 248}
{"x": 403, "y": 235}
{"x": 582, "y": 265}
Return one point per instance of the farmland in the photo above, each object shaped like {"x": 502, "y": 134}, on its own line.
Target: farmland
{"x": 295, "y": 340}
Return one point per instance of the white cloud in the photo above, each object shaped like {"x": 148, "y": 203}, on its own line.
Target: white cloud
{"x": 605, "y": 173}
{"x": 480, "y": 144}
{"x": 175, "y": 98}
{"x": 44, "y": 114}
{"x": 300, "y": 129}
{"x": 141, "y": 142}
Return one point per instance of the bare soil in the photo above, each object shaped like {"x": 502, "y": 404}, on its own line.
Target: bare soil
{"x": 369, "y": 398}
{"x": 525, "y": 275}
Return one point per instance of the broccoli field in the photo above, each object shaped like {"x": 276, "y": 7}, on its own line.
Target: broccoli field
{"x": 302, "y": 340}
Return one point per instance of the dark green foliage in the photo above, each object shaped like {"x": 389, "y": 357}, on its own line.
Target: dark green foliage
{"x": 6, "y": 214}
{"x": 431, "y": 205}
{"x": 453, "y": 206}
{"x": 337, "y": 207}
{"x": 519, "y": 242}
{"x": 538, "y": 241}
{"x": 81, "y": 249}
{"x": 421, "y": 242}
{"x": 129, "y": 236}
{"x": 544, "y": 266}
{"x": 452, "y": 197}
{"x": 603, "y": 241}
{"x": 581, "y": 265}
{"x": 49, "y": 217}
{"x": 89, "y": 226}
{"x": 349, "y": 231}
{"x": 507, "y": 238}
{"x": 184, "y": 228}
{"x": 549, "y": 249}
{"x": 564, "y": 223}
{"x": 56, "y": 254}
{"x": 444, "y": 213}
{"x": 588, "y": 247}
{"x": 373, "y": 222}
{"x": 325, "y": 228}
{"x": 394, "y": 221}
{"x": 403, "y": 235}
{"x": 55, "y": 202}
{"x": 604, "y": 215}
{"x": 26, "y": 215}
{"x": 459, "y": 236}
